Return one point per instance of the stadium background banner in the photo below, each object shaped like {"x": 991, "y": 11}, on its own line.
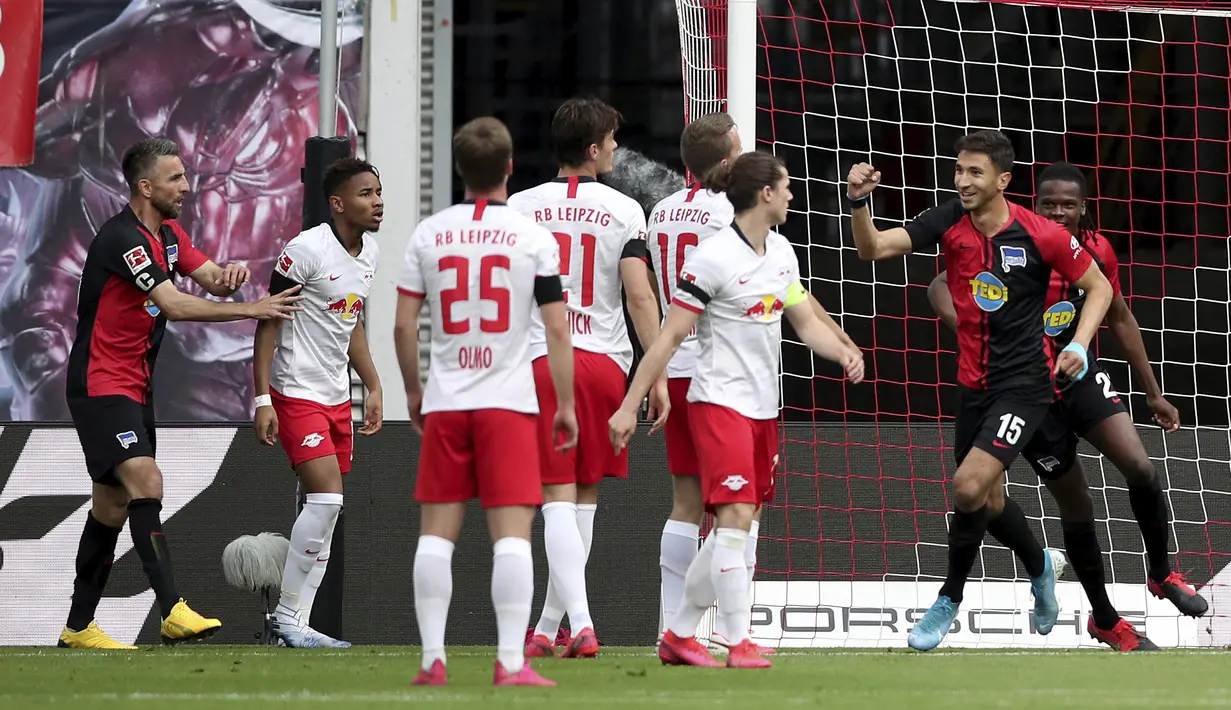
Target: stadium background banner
{"x": 220, "y": 484}
{"x": 241, "y": 98}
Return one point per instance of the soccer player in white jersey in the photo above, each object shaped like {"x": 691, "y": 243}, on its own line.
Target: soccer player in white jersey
{"x": 677, "y": 225}
{"x": 483, "y": 266}
{"x": 303, "y": 383}
{"x": 601, "y": 234}
{"x": 733, "y": 289}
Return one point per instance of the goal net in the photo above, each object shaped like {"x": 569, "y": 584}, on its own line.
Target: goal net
{"x": 854, "y": 549}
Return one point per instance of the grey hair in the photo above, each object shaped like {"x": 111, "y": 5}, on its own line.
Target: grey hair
{"x": 646, "y": 181}
{"x": 142, "y": 156}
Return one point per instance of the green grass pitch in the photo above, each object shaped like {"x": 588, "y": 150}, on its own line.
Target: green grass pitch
{"x": 207, "y": 676}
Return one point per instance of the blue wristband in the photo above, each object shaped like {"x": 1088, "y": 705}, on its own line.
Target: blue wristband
{"x": 1080, "y": 352}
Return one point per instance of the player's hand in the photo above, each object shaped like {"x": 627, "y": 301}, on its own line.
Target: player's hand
{"x": 1071, "y": 362}
{"x": 564, "y": 428}
{"x": 373, "y": 415}
{"x": 852, "y": 362}
{"x": 266, "y": 424}
{"x": 1165, "y": 415}
{"x": 861, "y": 180}
{"x": 233, "y": 276}
{"x": 414, "y": 404}
{"x": 660, "y": 405}
{"x": 281, "y": 305}
{"x": 620, "y": 428}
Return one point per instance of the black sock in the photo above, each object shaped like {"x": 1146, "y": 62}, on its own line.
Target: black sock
{"x": 95, "y": 553}
{"x": 1086, "y": 559}
{"x": 965, "y": 538}
{"x": 1011, "y": 530}
{"x": 146, "y": 525}
{"x": 1150, "y": 509}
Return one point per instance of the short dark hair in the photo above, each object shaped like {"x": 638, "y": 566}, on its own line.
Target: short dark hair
{"x": 994, "y": 144}
{"x": 706, "y": 142}
{"x": 579, "y": 124}
{"x": 749, "y": 174}
{"x": 142, "y": 156}
{"x": 340, "y": 171}
{"x": 1064, "y": 172}
{"x": 482, "y": 149}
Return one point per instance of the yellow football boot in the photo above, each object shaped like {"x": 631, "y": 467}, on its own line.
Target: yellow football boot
{"x": 184, "y": 624}
{"x": 90, "y": 637}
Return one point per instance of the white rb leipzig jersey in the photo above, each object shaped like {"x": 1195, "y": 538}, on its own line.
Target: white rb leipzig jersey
{"x": 677, "y": 225}
{"x": 311, "y": 355}
{"x": 740, "y": 297}
{"x": 476, "y": 263}
{"x": 593, "y": 224}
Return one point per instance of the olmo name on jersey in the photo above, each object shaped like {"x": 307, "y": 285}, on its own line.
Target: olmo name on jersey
{"x": 579, "y": 323}
{"x": 589, "y": 215}
{"x": 474, "y": 357}
{"x": 476, "y": 236}
{"x": 683, "y": 214}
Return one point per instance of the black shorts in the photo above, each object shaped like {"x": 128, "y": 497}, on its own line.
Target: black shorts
{"x": 1080, "y": 408}
{"x": 112, "y": 429}
{"x": 1000, "y": 422}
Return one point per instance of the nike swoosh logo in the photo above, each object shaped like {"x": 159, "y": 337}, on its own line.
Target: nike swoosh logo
{"x": 311, "y": 552}
{"x": 745, "y": 280}
{"x": 334, "y": 278}
{"x": 1116, "y": 400}
{"x": 724, "y": 571}
{"x": 1000, "y": 444}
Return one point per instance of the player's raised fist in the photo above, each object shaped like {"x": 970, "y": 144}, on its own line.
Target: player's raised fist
{"x": 281, "y": 305}
{"x": 861, "y": 180}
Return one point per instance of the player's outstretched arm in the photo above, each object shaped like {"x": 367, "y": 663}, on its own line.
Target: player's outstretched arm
{"x": 361, "y": 358}
{"x": 942, "y": 300}
{"x": 821, "y": 339}
{"x": 1124, "y": 326}
{"x": 679, "y": 323}
{"x": 871, "y": 242}
{"x": 178, "y": 306}
{"x": 265, "y": 420}
{"x": 406, "y": 345}
{"x": 1073, "y": 360}
{"x": 560, "y": 362}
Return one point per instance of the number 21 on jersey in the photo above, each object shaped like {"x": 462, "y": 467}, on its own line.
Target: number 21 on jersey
{"x": 588, "y": 243}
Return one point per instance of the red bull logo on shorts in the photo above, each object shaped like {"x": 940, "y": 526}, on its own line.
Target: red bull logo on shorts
{"x": 346, "y": 308}
{"x": 765, "y": 308}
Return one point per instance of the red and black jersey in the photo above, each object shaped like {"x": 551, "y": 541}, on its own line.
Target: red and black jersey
{"x": 119, "y": 329}
{"x": 1065, "y": 300}
{"x": 999, "y": 287}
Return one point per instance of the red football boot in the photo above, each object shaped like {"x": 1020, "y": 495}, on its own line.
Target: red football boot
{"x": 583, "y": 645}
{"x": 676, "y": 651}
{"x": 1121, "y": 637}
{"x": 745, "y": 655}
{"x": 433, "y": 676}
{"x": 526, "y": 676}
{"x": 539, "y": 646}
{"x": 1179, "y": 592}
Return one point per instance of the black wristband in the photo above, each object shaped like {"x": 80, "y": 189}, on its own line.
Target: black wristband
{"x": 856, "y": 203}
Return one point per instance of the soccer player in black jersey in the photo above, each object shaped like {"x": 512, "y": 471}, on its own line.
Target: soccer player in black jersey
{"x": 126, "y": 298}
{"x": 1091, "y": 409}
{"x": 1000, "y": 257}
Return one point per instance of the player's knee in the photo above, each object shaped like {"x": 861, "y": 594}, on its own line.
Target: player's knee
{"x": 969, "y": 493}
{"x": 686, "y": 504}
{"x": 141, "y": 478}
{"x": 995, "y": 501}
{"x": 111, "y": 511}
{"x": 735, "y": 515}
{"x": 1138, "y": 471}
{"x": 324, "y": 506}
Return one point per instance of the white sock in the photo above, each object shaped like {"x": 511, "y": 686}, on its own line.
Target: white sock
{"x": 698, "y": 592}
{"x": 433, "y": 592}
{"x": 566, "y": 562}
{"x": 313, "y": 583}
{"x": 676, "y": 551}
{"x": 307, "y": 545}
{"x": 585, "y": 524}
{"x": 512, "y": 595}
{"x": 722, "y": 619}
{"x": 730, "y": 574}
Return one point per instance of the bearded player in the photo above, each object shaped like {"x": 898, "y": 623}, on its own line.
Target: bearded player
{"x": 1092, "y": 410}
{"x": 483, "y": 266}
{"x": 733, "y": 290}
{"x": 603, "y": 258}
{"x": 302, "y": 377}
{"x": 1001, "y": 257}
{"x": 677, "y": 225}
